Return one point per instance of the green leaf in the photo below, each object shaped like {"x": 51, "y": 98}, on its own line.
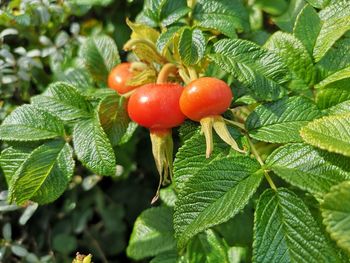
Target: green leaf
{"x": 207, "y": 247}
{"x": 274, "y": 8}
{"x": 166, "y": 38}
{"x": 307, "y": 27}
{"x": 215, "y": 194}
{"x": 286, "y": 21}
{"x": 336, "y": 214}
{"x": 64, "y": 101}
{"x": 140, "y": 31}
{"x": 339, "y": 75}
{"x": 191, "y": 46}
{"x": 145, "y": 51}
{"x": 335, "y": 22}
{"x": 280, "y": 121}
{"x": 242, "y": 235}
{"x": 318, "y": 3}
{"x": 28, "y": 123}
{"x": 334, "y": 94}
{"x": 100, "y": 55}
{"x": 191, "y": 155}
{"x": 259, "y": 70}
{"x": 296, "y": 57}
{"x": 113, "y": 117}
{"x": 341, "y": 108}
{"x": 224, "y": 16}
{"x": 285, "y": 231}
{"x": 166, "y": 257}
{"x": 330, "y": 133}
{"x": 336, "y": 58}
{"x": 77, "y": 77}
{"x": 93, "y": 148}
{"x": 309, "y": 168}
{"x": 44, "y": 174}
{"x": 173, "y": 11}
{"x": 167, "y": 195}
{"x": 162, "y": 13}
{"x": 11, "y": 158}
{"x": 153, "y": 233}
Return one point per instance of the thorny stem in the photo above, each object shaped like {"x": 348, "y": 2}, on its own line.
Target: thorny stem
{"x": 164, "y": 73}
{"x": 257, "y": 156}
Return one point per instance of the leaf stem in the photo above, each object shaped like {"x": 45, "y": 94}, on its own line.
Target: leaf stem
{"x": 192, "y": 72}
{"x": 164, "y": 73}
{"x": 183, "y": 74}
{"x": 257, "y": 156}
{"x": 236, "y": 123}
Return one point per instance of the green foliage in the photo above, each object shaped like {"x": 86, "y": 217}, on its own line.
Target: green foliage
{"x": 329, "y": 133}
{"x": 100, "y": 55}
{"x": 295, "y": 56}
{"x": 217, "y": 193}
{"x": 335, "y": 22}
{"x": 280, "y": 121}
{"x": 191, "y": 46}
{"x": 63, "y": 101}
{"x": 337, "y": 215}
{"x": 93, "y": 147}
{"x": 224, "y": 16}
{"x": 307, "y": 27}
{"x": 309, "y": 168}
{"x": 284, "y": 224}
{"x": 285, "y": 199}
{"x": 41, "y": 175}
{"x": 28, "y": 123}
{"x": 153, "y": 233}
{"x": 260, "y": 71}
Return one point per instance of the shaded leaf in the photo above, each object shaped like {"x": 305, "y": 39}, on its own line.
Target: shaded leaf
{"x": 339, "y": 75}
{"x": 207, "y": 247}
{"x": 335, "y": 93}
{"x": 336, "y": 214}
{"x": 100, "y": 55}
{"x": 113, "y": 117}
{"x": 152, "y": 234}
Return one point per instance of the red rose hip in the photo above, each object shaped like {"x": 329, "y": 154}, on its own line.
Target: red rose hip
{"x": 204, "y": 100}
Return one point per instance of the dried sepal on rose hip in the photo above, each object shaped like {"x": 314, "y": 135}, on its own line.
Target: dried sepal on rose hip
{"x": 120, "y": 75}
{"x": 156, "y": 107}
{"x": 204, "y": 100}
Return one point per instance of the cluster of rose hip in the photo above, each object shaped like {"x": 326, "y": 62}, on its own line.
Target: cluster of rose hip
{"x": 162, "y": 106}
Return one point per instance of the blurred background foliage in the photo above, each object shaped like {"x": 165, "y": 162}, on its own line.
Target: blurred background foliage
{"x": 39, "y": 44}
